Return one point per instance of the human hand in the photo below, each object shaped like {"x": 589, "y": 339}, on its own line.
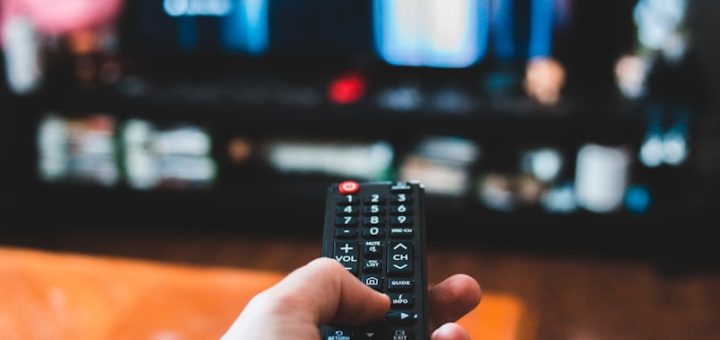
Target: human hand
{"x": 323, "y": 292}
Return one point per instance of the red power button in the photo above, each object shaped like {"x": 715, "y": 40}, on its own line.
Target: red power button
{"x": 348, "y": 187}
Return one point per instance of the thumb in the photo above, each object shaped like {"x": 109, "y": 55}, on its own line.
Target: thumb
{"x": 325, "y": 292}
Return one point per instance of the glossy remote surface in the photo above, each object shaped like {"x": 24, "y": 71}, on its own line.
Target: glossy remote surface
{"x": 377, "y": 231}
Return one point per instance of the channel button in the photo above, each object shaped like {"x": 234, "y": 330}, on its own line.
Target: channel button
{"x": 400, "y": 259}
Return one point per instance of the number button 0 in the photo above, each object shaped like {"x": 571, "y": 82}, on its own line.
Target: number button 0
{"x": 373, "y": 233}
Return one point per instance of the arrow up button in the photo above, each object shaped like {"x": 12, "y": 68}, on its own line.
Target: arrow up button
{"x": 400, "y": 259}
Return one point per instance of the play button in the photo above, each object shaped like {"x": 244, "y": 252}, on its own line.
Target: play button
{"x": 400, "y": 318}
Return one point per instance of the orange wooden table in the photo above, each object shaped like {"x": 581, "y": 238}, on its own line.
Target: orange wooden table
{"x": 66, "y": 296}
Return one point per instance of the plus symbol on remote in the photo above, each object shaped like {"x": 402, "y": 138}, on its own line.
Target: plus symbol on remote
{"x": 347, "y": 248}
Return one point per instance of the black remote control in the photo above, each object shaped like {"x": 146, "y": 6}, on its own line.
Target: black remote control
{"x": 377, "y": 231}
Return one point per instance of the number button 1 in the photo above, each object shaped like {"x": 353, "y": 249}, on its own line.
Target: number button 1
{"x": 347, "y": 199}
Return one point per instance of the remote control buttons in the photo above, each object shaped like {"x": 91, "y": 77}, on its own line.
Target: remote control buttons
{"x": 400, "y": 187}
{"x": 345, "y": 233}
{"x": 374, "y": 199}
{"x": 346, "y": 221}
{"x": 373, "y": 221}
{"x": 402, "y": 334}
{"x": 374, "y": 233}
{"x": 401, "y": 209}
{"x": 373, "y": 281}
{"x": 400, "y": 318}
{"x": 348, "y": 187}
{"x": 400, "y": 285}
{"x": 373, "y": 249}
{"x": 402, "y": 301}
{"x": 338, "y": 334}
{"x": 372, "y": 266}
{"x": 401, "y": 233}
{"x": 373, "y": 209}
{"x": 401, "y": 221}
{"x": 347, "y": 254}
{"x": 348, "y": 210}
{"x": 401, "y": 198}
{"x": 347, "y": 200}
{"x": 400, "y": 259}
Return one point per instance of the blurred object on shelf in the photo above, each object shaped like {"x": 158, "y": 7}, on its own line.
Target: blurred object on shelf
{"x": 23, "y": 55}
{"x": 666, "y": 139}
{"x": 405, "y": 98}
{"x": 432, "y": 33}
{"x": 660, "y": 27}
{"x": 544, "y": 80}
{"x": 495, "y": 192}
{"x": 177, "y": 157}
{"x": 631, "y": 74}
{"x": 528, "y": 190}
{"x": 453, "y": 100}
{"x": 675, "y": 139}
{"x": 348, "y": 88}
{"x": 651, "y": 150}
{"x": 239, "y": 150}
{"x": 545, "y": 164}
{"x": 638, "y": 199}
{"x": 442, "y": 164}
{"x": 661, "y": 33}
{"x": 362, "y": 160}
{"x": 601, "y": 177}
{"x": 560, "y": 199}
{"x": 78, "y": 150}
